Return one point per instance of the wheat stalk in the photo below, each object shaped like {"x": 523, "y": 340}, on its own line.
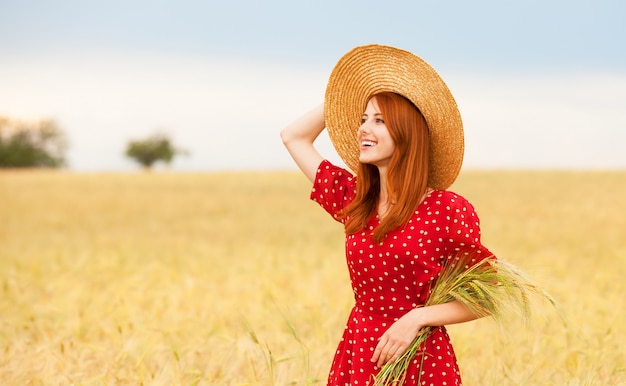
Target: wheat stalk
{"x": 488, "y": 287}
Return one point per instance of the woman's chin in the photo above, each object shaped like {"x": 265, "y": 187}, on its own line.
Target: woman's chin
{"x": 365, "y": 159}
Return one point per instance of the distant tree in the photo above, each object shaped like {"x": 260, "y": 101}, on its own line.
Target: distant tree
{"x": 31, "y": 144}
{"x": 157, "y": 147}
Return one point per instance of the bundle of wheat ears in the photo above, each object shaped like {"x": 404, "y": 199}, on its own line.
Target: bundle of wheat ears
{"x": 490, "y": 287}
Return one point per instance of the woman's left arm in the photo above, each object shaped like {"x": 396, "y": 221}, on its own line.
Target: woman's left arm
{"x": 399, "y": 336}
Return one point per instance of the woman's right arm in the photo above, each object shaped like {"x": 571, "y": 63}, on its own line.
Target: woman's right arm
{"x": 298, "y": 138}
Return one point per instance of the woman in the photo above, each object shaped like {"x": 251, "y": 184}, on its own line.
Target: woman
{"x": 401, "y": 223}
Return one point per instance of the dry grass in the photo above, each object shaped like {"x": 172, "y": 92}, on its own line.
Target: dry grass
{"x": 236, "y": 279}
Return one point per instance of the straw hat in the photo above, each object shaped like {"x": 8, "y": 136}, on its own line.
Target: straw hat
{"x": 368, "y": 70}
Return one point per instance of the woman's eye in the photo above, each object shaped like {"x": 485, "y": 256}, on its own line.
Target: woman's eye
{"x": 362, "y": 120}
{"x": 379, "y": 120}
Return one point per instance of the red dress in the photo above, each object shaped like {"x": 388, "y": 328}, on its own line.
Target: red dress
{"x": 393, "y": 277}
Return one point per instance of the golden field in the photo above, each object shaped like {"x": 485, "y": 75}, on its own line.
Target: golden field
{"x": 238, "y": 279}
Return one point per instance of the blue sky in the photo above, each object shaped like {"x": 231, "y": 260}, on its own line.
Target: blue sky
{"x": 540, "y": 84}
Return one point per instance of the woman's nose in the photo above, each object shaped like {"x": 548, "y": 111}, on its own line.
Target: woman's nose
{"x": 362, "y": 129}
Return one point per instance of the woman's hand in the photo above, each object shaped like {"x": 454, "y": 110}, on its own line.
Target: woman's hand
{"x": 398, "y": 337}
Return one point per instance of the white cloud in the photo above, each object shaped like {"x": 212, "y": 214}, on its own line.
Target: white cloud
{"x": 547, "y": 120}
{"x": 228, "y": 113}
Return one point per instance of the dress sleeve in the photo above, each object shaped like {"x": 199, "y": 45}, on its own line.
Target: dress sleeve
{"x": 333, "y": 189}
{"x": 464, "y": 231}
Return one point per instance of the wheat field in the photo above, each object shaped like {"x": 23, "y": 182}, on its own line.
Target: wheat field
{"x": 237, "y": 278}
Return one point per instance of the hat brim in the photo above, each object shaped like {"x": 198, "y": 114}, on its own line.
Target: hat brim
{"x": 368, "y": 70}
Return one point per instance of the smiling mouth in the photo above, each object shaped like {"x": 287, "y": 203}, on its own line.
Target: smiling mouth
{"x": 367, "y": 143}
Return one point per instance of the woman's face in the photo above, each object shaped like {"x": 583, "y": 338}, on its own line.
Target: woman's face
{"x": 376, "y": 144}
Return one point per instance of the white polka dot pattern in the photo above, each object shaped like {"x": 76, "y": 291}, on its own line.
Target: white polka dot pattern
{"x": 390, "y": 278}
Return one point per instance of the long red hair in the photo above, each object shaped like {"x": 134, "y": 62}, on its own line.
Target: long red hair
{"x": 407, "y": 172}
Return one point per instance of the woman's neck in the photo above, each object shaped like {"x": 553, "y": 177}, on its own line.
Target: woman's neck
{"x": 383, "y": 196}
